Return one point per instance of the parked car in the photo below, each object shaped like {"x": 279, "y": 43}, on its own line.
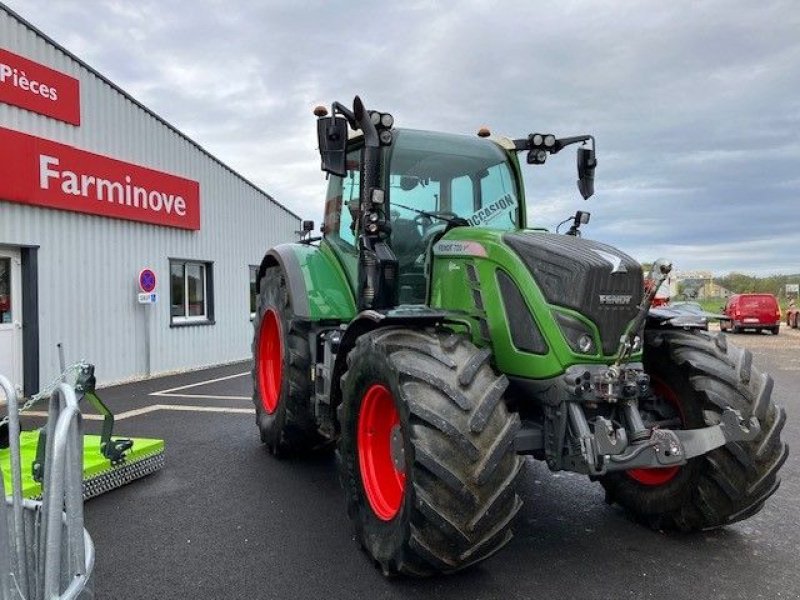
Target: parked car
{"x": 793, "y": 316}
{"x": 759, "y": 312}
{"x": 695, "y": 316}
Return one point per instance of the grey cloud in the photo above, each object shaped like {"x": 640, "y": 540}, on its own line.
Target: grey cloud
{"x": 696, "y": 106}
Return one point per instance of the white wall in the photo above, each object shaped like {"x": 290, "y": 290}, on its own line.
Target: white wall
{"x": 88, "y": 264}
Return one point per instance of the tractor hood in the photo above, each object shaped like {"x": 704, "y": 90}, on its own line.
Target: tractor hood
{"x": 594, "y": 279}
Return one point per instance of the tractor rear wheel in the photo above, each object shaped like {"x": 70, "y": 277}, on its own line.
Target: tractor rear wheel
{"x": 699, "y": 375}
{"x": 426, "y": 454}
{"x": 281, "y": 367}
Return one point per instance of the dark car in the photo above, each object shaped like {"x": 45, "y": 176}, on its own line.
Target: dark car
{"x": 759, "y": 312}
{"x": 693, "y": 315}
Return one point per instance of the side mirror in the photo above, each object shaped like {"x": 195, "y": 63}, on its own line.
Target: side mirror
{"x": 308, "y": 226}
{"x": 332, "y": 140}
{"x": 582, "y": 217}
{"x": 586, "y": 166}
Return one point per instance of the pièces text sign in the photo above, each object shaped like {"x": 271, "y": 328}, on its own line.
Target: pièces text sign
{"x": 40, "y": 89}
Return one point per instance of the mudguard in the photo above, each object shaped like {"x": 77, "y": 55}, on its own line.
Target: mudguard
{"x": 318, "y": 287}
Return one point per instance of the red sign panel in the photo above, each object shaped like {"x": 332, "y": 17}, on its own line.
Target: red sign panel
{"x": 45, "y": 173}
{"x": 40, "y": 89}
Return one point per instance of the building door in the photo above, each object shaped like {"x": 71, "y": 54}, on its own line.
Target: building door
{"x": 11, "y": 317}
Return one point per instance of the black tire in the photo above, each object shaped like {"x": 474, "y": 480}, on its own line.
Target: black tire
{"x": 730, "y": 483}
{"x": 291, "y": 427}
{"x": 460, "y": 466}
{"x": 723, "y": 325}
{"x": 776, "y": 330}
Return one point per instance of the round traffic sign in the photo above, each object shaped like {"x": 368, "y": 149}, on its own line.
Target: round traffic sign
{"x": 147, "y": 280}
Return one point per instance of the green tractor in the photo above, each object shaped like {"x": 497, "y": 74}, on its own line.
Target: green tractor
{"x": 436, "y": 341}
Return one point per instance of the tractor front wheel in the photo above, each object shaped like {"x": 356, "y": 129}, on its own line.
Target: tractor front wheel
{"x": 426, "y": 454}
{"x": 281, "y": 367}
{"x": 695, "y": 377}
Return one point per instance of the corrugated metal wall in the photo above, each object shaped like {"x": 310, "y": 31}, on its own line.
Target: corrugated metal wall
{"x": 88, "y": 264}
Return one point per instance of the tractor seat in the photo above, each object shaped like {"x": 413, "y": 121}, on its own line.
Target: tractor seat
{"x": 408, "y": 244}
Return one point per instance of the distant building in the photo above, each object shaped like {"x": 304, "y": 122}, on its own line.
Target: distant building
{"x": 697, "y": 285}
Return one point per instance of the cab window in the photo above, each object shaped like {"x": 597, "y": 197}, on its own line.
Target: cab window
{"x": 342, "y": 203}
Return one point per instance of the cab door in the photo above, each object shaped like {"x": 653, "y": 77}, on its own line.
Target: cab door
{"x": 341, "y": 217}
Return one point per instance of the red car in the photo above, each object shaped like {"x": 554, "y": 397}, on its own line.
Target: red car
{"x": 751, "y": 311}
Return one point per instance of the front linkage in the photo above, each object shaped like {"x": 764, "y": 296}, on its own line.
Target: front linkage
{"x": 571, "y": 443}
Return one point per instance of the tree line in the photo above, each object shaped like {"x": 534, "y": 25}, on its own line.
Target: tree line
{"x": 743, "y": 283}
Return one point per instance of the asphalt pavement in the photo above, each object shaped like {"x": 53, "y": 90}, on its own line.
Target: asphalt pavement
{"x": 226, "y": 520}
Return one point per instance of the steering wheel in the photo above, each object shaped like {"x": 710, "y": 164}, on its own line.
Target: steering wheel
{"x": 424, "y": 220}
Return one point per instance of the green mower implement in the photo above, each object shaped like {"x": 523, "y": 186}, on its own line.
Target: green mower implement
{"x": 108, "y": 462}
{"x": 436, "y": 340}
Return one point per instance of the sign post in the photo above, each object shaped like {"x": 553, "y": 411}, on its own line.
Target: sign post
{"x": 147, "y": 295}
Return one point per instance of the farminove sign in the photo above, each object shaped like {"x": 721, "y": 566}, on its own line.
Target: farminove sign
{"x": 40, "y": 89}
{"x": 44, "y": 173}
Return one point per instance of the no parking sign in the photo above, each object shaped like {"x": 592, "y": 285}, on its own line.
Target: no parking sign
{"x": 147, "y": 285}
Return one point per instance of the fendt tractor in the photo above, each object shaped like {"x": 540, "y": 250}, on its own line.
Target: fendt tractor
{"x": 436, "y": 341}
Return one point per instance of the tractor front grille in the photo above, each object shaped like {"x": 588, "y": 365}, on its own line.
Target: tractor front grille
{"x": 595, "y": 279}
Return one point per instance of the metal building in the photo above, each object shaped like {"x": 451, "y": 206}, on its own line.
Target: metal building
{"x": 119, "y": 236}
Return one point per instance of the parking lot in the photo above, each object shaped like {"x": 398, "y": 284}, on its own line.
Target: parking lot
{"x": 226, "y": 520}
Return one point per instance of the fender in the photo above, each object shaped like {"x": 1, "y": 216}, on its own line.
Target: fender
{"x": 368, "y": 320}
{"x": 307, "y": 268}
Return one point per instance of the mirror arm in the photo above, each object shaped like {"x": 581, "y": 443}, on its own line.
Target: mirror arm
{"x": 338, "y": 107}
{"x": 562, "y": 143}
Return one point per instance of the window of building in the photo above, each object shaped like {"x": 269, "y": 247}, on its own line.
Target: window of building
{"x": 253, "y": 282}
{"x": 191, "y": 292}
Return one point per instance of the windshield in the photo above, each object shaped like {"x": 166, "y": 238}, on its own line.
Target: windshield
{"x": 450, "y": 176}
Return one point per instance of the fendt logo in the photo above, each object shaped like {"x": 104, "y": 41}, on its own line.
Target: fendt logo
{"x": 615, "y": 299}
{"x": 29, "y": 85}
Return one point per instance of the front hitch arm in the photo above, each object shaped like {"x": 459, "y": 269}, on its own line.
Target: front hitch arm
{"x": 668, "y": 448}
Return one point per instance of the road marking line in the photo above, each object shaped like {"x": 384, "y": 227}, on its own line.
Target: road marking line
{"x": 218, "y": 409}
{"x": 191, "y": 385}
{"x": 203, "y": 396}
{"x": 136, "y": 412}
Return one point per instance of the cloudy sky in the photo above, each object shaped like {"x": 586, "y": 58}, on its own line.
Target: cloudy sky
{"x": 695, "y": 104}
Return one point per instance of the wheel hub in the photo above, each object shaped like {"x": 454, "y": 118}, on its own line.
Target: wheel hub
{"x": 381, "y": 455}
{"x": 396, "y": 447}
{"x": 270, "y": 361}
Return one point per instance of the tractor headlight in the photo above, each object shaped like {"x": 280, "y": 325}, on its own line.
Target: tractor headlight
{"x": 578, "y": 335}
{"x": 585, "y": 344}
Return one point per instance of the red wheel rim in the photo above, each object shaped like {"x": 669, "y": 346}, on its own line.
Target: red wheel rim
{"x": 656, "y": 477}
{"x": 270, "y": 361}
{"x": 378, "y": 423}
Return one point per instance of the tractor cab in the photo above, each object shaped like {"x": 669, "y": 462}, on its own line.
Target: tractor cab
{"x": 434, "y": 182}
